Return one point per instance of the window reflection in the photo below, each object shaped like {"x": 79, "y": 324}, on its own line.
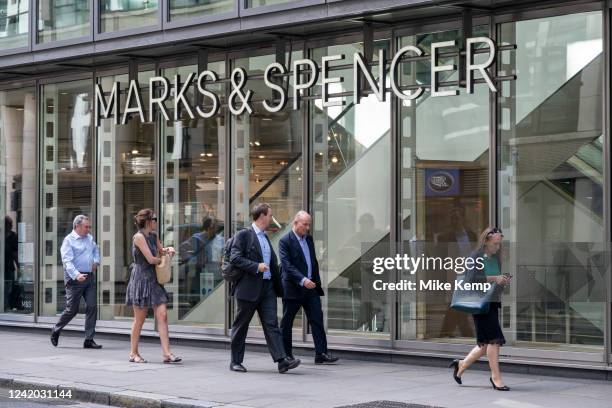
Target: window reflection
{"x": 14, "y": 23}
{"x": 17, "y": 199}
{"x": 62, "y": 20}
{"x": 551, "y": 179}
{"x": 67, "y": 178}
{"x": 126, "y": 180}
{"x": 352, "y": 193}
{"x": 444, "y": 187}
{"x": 263, "y": 3}
{"x": 193, "y": 206}
{"x": 183, "y": 9}
{"x": 118, "y": 15}
{"x": 267, "y": 158}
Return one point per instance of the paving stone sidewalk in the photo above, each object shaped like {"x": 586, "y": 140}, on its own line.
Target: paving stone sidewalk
{"x": 203, "y": 380}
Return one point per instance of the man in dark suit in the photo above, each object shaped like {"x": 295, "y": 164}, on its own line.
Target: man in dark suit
{"x": 302, "y": 286}
{"x": 256, "y": 290}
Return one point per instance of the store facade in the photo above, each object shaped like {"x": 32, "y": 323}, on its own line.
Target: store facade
{"x": 383, "y": 171}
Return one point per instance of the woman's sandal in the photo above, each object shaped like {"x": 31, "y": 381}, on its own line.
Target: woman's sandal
{"x": 171, "y": 358}
{"x": 135, "y": 358}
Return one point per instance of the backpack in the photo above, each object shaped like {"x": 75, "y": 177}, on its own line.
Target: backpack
{"x": 230, "y": 272}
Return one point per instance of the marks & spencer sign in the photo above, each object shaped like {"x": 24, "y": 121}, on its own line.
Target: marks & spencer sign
{"x": 240, "y": 98}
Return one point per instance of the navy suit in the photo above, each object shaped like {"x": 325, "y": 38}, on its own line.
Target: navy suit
{"x": 254, "y": 294}
{"x": 293, "y": 270}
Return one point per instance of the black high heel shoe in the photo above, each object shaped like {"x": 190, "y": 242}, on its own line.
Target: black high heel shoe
{"x": 495, "y": 387}
{"x": 455, "y": 364}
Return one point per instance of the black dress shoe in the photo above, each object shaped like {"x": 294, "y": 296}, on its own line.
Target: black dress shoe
{"x": 496, "y": 388}
{"x": 455, "y": 364}
{"x": 325, "y": 358}
{"x": 54, "y": 337}
{"x": 285, "y": 364}
{"x": 239, "y": 368}
{"x": 90, "y": 344}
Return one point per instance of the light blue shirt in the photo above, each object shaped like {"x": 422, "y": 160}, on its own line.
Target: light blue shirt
{"x": 265, "y": 249}
{"x": 78, "y": 255}
{"x": 306, "y": 252}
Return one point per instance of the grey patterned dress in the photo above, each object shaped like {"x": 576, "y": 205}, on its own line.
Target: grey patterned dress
{"x": 143, "y": 289}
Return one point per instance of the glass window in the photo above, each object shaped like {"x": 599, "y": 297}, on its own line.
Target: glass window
{"x": 551, "y": 180}
{"x": 444, "y": 192}
{"x": 181, "y": 9}
{"x": 14, "y": 23}
{"x": 263, "y": 3}
{"x": 351, "y": 147}
{"x": 118, "y": 15}
{"x": 267, "y": 158}
{"x": 126, "y": 184}
{"x": 67, "y": 180}
{"x": 17, "y": 199}
{"x": 193, "y": 212}
{"x": 62, "y": 19}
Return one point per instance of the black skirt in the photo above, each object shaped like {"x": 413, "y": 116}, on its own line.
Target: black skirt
{"x": 488, "y": 330}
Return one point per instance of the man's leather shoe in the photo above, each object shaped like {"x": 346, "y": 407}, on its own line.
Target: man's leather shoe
{"x": 238, "y": 368}
{"x": 91, "y": 345}
{"x": 325, "y": 358}
{"x": 290, "y": 358}
{"x": 285, "y": 364}
{"x": 54, "y": 337}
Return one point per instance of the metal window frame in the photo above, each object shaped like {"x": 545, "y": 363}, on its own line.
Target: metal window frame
{"x": 187, "y": 60}
{"x": 229, "y": 187}
{"x": 246, "y": 11}
{"x": 108, "y": 323}
{"x": 99, "y": 35}
{"x": 607, "y": 175}
{"x": 30, "y": 317}
{"x": 169, "y": 23}
{"x": 28, "y": 46}
{"x": 40, "y": 83}
{"x": 605, "y": 356}
{"x": 36, "y": 45}
{"x": 15, "y": 85}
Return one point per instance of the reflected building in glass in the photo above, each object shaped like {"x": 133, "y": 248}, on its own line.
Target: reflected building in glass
{"x": 410, "y": 173}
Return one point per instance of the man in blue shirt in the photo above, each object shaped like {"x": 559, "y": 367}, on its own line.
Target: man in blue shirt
{"x": 256, "y": 290}
{"x": 80, "y": 257}
{"x": 302, "y": 286}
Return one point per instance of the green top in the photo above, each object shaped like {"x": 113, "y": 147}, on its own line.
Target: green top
{"x": 491, "y": 266}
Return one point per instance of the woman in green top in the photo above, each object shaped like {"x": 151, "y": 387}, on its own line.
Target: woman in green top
{"x": 489, "y": 336}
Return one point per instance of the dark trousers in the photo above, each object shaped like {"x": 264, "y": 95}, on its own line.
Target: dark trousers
{"x": 74, "y": 291}
{"x": 12, "y": 295}
{"x": 265, "y": 306}
{"x": 312, "y": 307}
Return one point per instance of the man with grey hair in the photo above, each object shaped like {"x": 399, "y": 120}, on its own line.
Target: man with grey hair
{"x": 80, "y": 257}
{"x": 302, "y": 286}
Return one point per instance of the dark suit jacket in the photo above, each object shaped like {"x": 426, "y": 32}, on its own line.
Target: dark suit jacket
{"x": 248, "y": 259}
{"x": 294, "y": 267}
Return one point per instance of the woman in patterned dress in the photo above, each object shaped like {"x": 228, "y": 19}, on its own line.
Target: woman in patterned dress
{"x": 143, "y": 290}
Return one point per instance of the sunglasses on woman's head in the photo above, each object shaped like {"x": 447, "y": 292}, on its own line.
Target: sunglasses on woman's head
{"x": 494, "y": 230}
